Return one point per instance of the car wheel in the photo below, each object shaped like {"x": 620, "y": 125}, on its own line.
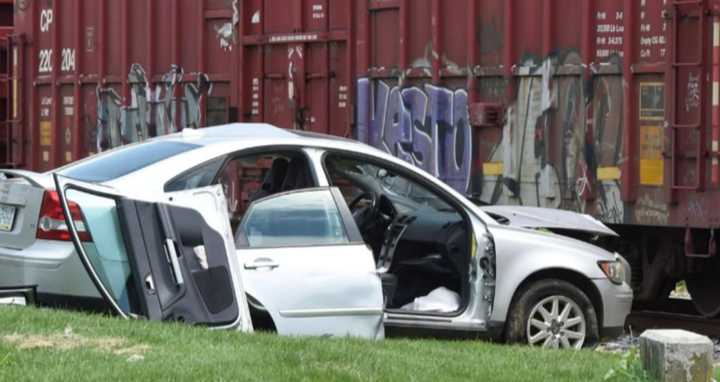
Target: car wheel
{"x": 552, "y": 314}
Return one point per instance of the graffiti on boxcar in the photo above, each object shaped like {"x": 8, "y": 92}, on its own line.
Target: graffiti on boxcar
{"x": 528, "y": 176}
{"x": 548, "y": 156}
{"x": 108, "y": 132}
{"x": 428, "y": 127}
{"x": 692, "y": 99}
{"x": 648, "y": 210}
{"x": 604, "y": 154}
{"x": 695, "y": 208}
{"x": 164, "y": 93}
{"x": 149, "y": 112}
{"x": 227, "y": 33}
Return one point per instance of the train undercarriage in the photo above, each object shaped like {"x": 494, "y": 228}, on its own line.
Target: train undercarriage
{"x": 674, "y": 270}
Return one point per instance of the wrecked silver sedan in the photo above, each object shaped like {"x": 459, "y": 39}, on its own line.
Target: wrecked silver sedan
{"x": 307, "y": 235}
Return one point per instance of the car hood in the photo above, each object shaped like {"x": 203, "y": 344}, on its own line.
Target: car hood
{"x": 547, "y": 218}
{"x": 521, "y": 239}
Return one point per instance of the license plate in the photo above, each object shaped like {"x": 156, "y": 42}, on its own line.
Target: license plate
{"x": 19, "y": 300}
{"x": 7, "y": 217}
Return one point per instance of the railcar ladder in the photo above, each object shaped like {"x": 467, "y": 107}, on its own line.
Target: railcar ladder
{"x": 687, "y": 11}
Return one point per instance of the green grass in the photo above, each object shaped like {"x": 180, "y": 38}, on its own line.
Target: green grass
{"x": 30, "y": 341}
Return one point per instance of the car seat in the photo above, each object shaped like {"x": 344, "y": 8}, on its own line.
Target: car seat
{"x": 273, "y": 179}
{"x": 298, "y": 176}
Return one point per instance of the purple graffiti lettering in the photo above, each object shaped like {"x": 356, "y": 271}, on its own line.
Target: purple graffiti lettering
{"x": 440, "y": 120}
{"x": 426, "y": 127}
{"x": 422, "y": 144}
{"x": 458, "y": 145}
{"x": 362, "y": 126}
{"x": 379, "y": 101}
{"x": 397, "y": 129}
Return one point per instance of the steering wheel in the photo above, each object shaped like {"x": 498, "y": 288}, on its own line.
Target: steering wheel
{"x": 365, "y": 216}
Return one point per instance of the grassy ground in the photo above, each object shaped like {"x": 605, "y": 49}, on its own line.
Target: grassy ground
{"x": 41, "y": 344}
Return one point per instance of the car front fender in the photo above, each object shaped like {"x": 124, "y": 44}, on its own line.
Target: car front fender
{"x": 523, "y": 253}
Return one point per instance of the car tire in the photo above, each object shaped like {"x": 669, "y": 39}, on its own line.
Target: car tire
{"x": 536, "y": 316}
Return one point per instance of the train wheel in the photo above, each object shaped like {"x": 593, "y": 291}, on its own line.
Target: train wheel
{"x": 705, "y": 287}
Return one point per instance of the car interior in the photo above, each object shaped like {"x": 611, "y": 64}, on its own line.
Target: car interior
{"x": 419, "y": 241}
{"x": 252, "y": 177}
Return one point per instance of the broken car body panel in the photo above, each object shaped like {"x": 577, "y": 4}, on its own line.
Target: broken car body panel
{"x": 143, "y": 255}
{"x": 546, "y": 218}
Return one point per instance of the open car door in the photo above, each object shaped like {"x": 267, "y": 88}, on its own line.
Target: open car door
{"x": 161, "y": 261}
{"x": 305, "y": 263}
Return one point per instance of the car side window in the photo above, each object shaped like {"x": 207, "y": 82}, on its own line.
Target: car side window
{"x": 295, "y": 219}
{"x": 198, "y": 177}
{"x": 247, "y": 178}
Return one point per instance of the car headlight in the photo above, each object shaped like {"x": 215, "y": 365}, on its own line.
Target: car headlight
{"x": 614, "y": 270}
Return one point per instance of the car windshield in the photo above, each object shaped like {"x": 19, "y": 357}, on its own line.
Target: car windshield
{"x": 400, "y": 189}
{"x": 406, "y": 195}
{"x": 123, "y": 161}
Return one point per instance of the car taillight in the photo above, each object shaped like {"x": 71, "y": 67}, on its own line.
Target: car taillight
{"x": 51, "y": 225}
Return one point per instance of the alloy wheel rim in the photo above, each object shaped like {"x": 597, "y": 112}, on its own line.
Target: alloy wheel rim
{"x": 556, "y": 322}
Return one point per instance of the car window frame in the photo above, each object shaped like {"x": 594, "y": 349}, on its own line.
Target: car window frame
{"x": 398, "y": 170}
{"x": 104, "y": 154}
{"x": 221, "y": 158}
{"x": 255, "y": 150}
{"x": 259, "y": 150}
{"x": 465, "y": 213}
{"x": 351, "y": 230}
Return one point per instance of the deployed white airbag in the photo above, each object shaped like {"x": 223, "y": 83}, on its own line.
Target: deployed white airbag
{"x": 441, "y": 300}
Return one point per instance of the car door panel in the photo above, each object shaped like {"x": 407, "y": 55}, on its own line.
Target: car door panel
{"x": 213, "y": 202}
{"x": 178, "y": 288}
{"x": 311, "y": 285}
{"x": 143, "y": 255}
{"x": 317, "y": 290}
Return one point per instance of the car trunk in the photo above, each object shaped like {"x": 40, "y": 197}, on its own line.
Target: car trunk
{"x": 21, "y": 197}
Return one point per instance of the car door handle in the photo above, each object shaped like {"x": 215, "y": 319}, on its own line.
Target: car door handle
{"x": 261, "y": 263}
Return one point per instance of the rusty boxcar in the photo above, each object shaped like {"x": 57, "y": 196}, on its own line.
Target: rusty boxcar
{"x": 608, "y": 107}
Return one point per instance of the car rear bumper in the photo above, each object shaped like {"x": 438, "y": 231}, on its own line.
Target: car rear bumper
{"x": 617, "y": 303}
{"x": 52, "y": 267}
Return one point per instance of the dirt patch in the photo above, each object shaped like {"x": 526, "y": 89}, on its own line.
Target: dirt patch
{"x": 69, "y": 340}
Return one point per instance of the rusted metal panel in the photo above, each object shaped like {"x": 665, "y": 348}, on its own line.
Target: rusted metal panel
{"x": 297, "y": 64}
{"x": 588, "y": 102}
{"x": 599, "y": 106}
{"x": 6, "y": 10}
{"x": 97, "y": 74}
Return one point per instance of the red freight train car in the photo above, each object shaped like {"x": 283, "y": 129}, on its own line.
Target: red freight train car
{"x": 6, "y": 22}
{"x": 609, "y": 107}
